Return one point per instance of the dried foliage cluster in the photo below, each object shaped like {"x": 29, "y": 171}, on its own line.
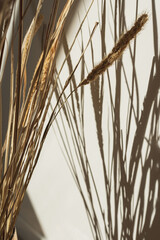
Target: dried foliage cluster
{"x": 26, "y": 132}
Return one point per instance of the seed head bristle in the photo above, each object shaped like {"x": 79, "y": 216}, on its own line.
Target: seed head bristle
{"x": 117, "y": 50}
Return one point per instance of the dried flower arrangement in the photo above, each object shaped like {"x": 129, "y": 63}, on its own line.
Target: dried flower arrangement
{"x": 26, "y": 131}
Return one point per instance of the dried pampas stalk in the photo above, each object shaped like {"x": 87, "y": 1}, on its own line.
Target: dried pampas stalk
{"x": 116, "y": 51}
{"x": 49, "y": 59}
{"x": 28, "y": 37}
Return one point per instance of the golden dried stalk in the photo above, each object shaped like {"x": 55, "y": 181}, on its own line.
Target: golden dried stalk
{"x": 116, "y": 51}
{"x": 26, "y": 43}
{"x": 50, "y": 56}
{"x": 52, "y": 52}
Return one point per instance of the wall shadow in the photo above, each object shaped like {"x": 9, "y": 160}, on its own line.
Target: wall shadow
{"x": 27, "y": 224}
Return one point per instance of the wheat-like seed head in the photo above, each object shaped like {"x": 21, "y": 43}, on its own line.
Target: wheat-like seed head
{"x": 116, "y": 51}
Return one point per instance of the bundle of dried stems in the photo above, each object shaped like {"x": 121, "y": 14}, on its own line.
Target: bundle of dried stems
{"x": 27, "y": 113}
